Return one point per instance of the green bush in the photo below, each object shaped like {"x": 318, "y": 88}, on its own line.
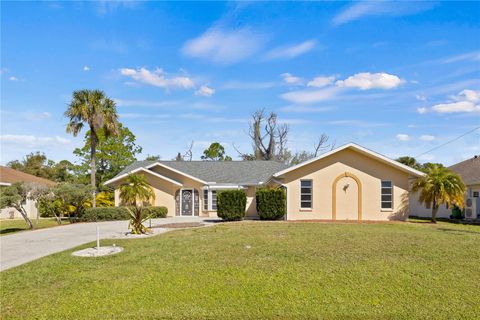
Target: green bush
{"x": 231, "y": 204}
{"x": 271, "y": 203}
{"x": 456, "y": 213}
{"x": 155, "y": 212}
{"x": 105, "y": 214}
{"x": 120, "y": 213}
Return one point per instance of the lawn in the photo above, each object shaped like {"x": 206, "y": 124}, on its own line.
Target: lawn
{"x": 11, "y": 226}
{"x": 252, "y": 270}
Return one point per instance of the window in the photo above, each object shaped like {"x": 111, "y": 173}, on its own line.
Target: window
{"x": 205, "y": 199}
{"x": 475, "y": 194}
{"x": 214, "y": 200}
{"x": 387, "y": 191}
{"x": 306, "y": 194}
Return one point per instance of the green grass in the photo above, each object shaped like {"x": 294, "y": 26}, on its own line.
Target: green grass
{"x": 290, "y": 270}
{"x": 12, "y": 226}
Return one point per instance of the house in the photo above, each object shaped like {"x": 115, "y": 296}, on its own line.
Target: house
{"x": 9, "y": 176}
{"x": 348, "y": 183}
{"x": 469, "y": 171}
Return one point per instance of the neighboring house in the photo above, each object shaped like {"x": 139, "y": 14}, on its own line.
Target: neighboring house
{"x": 469, "y": 171}
{"x": 9, "y": 176}
{"x": 348, "y": 183}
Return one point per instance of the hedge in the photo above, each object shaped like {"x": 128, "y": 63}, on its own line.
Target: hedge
{"x": 120, "y": 213}
{"x": 231, "y": 204}
{"x": 271, "y": 203}
{"x": 155, "y": 212}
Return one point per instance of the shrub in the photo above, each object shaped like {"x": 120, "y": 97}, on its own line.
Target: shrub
{"x": 456, "y": 213}
{"x": 231, "y": 204}
{"x": 106, "y": 214}
{"x": 271, "y": 203}
{"x": 120, "y": 213}
{"x": 155, "y": 212}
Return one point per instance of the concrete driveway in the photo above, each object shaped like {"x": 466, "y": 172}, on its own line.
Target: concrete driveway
{"x": 23, "y": 247}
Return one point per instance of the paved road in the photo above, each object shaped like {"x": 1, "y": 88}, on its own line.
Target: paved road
{"x": 23, "y": 247}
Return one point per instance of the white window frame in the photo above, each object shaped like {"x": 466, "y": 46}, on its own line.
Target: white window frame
{"x": 205, "y": 201}
{"x": 310, "y": 194}
{"x": 210, "y": 193}
{"x": 391, "y": 195}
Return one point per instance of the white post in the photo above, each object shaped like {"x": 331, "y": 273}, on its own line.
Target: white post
{"x": 98, "y": 238}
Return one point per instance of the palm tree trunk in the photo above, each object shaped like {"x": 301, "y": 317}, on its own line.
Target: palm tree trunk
{"x": 434, "y": 211}
{"x": 93, "y": 163}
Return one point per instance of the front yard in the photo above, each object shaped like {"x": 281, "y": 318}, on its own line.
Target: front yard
{"x": 252, "y": 270}
{"x": 16, "y": 225}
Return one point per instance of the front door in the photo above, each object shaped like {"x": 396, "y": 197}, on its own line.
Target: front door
{"x": 187, "y": 203}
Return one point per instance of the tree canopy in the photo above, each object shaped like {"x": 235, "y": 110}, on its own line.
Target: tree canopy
{"x": 215, "y": 152}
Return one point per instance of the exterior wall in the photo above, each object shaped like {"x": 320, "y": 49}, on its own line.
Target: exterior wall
{"x": 12, "y": 213}
{"x": 251, "y": 211}
{"x": 419, "y": 210}
{"x": 368, "y": 171}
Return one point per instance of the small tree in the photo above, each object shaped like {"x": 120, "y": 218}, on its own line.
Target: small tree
{"x": 216, "y": 152}
{"x": 136, "y": 192}
{"x": 74, "y": 198}
{"x": 15, "y": 196}
{"x": 439, "y": 186}
{"x": 271, "y": 203}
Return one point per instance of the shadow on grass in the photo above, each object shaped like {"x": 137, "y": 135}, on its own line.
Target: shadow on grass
{"x": 11, "y": 230}
{"x": 458, "y": 231}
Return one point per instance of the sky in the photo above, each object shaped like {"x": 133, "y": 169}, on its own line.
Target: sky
{"x": 400, "y": 78}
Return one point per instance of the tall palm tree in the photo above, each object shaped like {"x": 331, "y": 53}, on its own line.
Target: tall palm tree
{"x": 92, "y": 108}
{"x": 136, "y": 192}
{"x": 439, "y": 186}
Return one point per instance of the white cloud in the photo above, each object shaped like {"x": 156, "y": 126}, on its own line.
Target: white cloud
{"x": 86, "y": 68}
{"x": 292, "y": 51}
{"x": 359, "y": 10}
{"x": 420, "y": 97}
{"x": 38, "y": 116}
{"x": 367, "y": 80}
{"x": 403, "y": 137}
{"x": 13, "y": 78}
{"x": 319, "y": 82}
{"x": 224, "y": 46}
{"x": 310, "y": 96}
{"x": 157, "y": 78}
{"x": 205, "y": 91}
{"x": 33, "y": 141}
{"x": 427, "y": 137}
{"x": 422, "y": 110}
{"x": 291, "y": 79}
{"x": 466, "y": 101}
{"x": 473, "y": 56}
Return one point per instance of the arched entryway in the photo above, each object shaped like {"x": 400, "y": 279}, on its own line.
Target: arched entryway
{"x": 347, "y": 197}
{"x": 187, "y": 202}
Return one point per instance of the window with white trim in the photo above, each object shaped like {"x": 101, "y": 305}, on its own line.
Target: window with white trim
{"x": 205, "y": 199}
{"x": 387, "y": 194}
{"x": 306, "y": 194}
{"x": 214, "y": 200}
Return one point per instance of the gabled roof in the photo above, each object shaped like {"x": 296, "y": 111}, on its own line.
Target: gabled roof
{"x": 469, "y": 170}
{"x": 9, "y": 176}
{"x": 216, "y": 172}
{"x": 361, "y": 150}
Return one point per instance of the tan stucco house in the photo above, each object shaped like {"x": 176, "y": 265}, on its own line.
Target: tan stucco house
{"x": 469, "y": 171}
{"x": 9, "y": 176}
{"x": 348, "y": 183}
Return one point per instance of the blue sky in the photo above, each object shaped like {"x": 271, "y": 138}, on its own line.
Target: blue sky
{"x": 397, "y": 77}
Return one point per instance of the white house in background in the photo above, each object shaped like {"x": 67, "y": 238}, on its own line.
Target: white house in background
{"x": 469, "y": 170}
{"x": 9, "y": 176}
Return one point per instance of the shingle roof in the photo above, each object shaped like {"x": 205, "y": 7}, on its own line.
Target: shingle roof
{"x": 9, "y": 175}
{"x": 225, "y": 172}
{"x": 469, "y": 170}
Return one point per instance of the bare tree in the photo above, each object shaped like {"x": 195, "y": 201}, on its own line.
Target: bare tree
{"x": 187, "y": 156}
{"x": 268, "y": 136}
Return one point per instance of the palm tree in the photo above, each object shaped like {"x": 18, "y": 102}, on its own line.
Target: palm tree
{"x": 99, "y": 112}
{"x": 136, "y": 192}
{"x": 439, "y": 186}
{"x": 411, "y": 162}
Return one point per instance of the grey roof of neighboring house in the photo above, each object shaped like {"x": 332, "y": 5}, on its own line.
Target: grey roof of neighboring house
{"x": 225, "y": 172}
{"x": 469, "y": 170}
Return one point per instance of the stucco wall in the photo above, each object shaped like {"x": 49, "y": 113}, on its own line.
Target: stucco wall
{"x": 370, "y": 173}
{"x": 251, "y": 211}
{"x": 12, "y": 213}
